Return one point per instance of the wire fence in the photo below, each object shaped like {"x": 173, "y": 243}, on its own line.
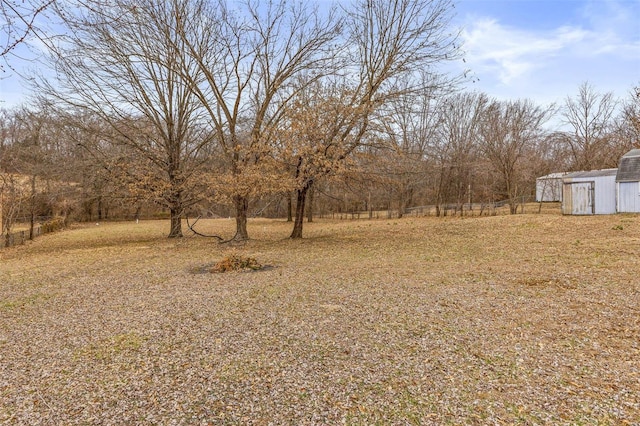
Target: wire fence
{"x": 22, "y": 236}
{"x": 525, "y": 205}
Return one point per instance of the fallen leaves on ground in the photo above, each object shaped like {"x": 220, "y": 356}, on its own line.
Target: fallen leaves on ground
{"x": 528, "y": 319}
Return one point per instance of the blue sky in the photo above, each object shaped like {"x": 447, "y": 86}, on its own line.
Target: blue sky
{"x": 544, "y": 49}
{"x": 537, "y": 49}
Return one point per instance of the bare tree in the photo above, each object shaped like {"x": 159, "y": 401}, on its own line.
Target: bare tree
{"x": 410, "y": 123}
{"x": 11, "y": 198}
{"x": 109, "y": 176}
{"x": 253, "y": 60}
{"x": 455, "y": 149}
{"x": 628, "y": 123}
{"x": 321, "y": 130}
{"x": 387, "y": 43}
{"x": 510, "y": 132}
{"x": 18, "y": 23}
{"x": 7, "y": 119}
{"x": 10, "y": 193}
{"x": 125, "y": 62}
{"x": 33, "y": 159}
{"x": 555, "y": 152}
{"x": 590, "y": 117}
{"x": 31, "y": 156}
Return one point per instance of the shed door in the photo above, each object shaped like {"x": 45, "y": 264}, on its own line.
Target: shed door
{"x": 628, "y": 197}
{"x": 582, "y": 198}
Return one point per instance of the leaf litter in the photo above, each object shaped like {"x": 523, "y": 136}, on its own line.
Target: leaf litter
{"x": 530, "y": 319}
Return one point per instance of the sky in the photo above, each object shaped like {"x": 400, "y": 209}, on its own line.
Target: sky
{"x": 544, "y": 50}
{"x": 514, "y": 49}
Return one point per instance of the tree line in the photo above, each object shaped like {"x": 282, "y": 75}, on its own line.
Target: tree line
{"x": 196, "y": 107}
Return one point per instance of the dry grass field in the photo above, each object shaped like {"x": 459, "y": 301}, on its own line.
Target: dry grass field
{"x": 530, "y": 319}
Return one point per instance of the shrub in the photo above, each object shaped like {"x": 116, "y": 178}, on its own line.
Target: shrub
{"x": 53, "y": 225}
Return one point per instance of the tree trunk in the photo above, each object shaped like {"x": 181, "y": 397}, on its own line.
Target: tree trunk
{"x": 242, "y": 206}
{"x": 1, "y": 213}
{"x": 310, "y": 205}
{"x": 512, "y": 194}
{"x": 175, "y": 207}
{"x": 100, "y": 207}
{"x": 32, "y": 225}
{"x": 176, "y": 223}
{"x": 513, "y": 206}
{"x": 32, "y": 218}
{"x": 289, "y": 208}
{"x": 299, "y": 217}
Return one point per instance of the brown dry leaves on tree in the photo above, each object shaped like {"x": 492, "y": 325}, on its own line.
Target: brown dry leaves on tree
{"x": 530, "y": 319}
{"x": 263, "y": 178}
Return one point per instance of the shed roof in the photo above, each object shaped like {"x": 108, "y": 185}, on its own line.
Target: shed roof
{"x": 629, "y": 168}
{"x": 592, "y": 173}
{"x": 553, "y": 175}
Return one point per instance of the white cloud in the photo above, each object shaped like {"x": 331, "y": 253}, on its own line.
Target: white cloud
{"x": 620, "y": 16}
{"x": 547, "y": 65}
{"x": 512, "y": 53}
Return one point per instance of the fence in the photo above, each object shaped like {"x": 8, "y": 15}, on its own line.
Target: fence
{"x": 525, "y": 205}
{"x": 22, "y": 236}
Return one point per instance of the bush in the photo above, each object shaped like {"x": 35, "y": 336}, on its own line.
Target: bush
{"x": 52, "y": 225}
{"x": 235, "y": 262}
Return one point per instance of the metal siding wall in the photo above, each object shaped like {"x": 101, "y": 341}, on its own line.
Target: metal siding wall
{"x": 548, "y": 189}
{"x": 605, "y": 194}
{"x": 576, "y": 196}
{"x": 629, "y": 197}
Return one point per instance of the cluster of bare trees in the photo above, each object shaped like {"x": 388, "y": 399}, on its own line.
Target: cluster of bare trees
{"x": 175, "y": 83}
{"x": 30, "y": 181}
{"x": 201, "y": 105}
{"x": 463, "y": 149}
{"x": 600, "y": 126}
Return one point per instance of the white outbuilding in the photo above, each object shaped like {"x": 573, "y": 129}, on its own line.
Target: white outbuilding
{"x": 549, "y": 187}
{"x": 587, "y": 193}
{"x": 628, "y": 182}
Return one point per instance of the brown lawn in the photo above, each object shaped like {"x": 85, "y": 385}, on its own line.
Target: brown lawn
{"x": 530, "y": 319}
